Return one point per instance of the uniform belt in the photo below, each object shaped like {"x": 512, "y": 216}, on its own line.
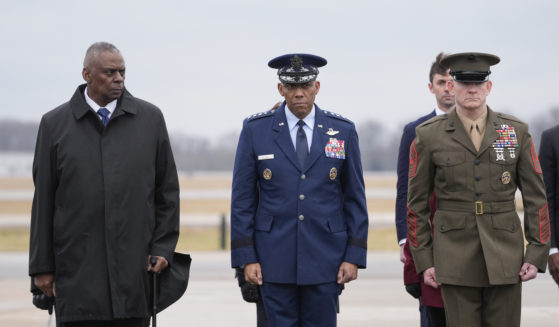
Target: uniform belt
{"x": 478, "y": 207}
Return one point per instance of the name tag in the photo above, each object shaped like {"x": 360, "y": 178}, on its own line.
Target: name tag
{"x": 266, "y": 156}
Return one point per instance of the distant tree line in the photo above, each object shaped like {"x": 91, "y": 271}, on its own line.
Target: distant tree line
{"x": 379, "y": 146}
{"x": 18, "y": 136}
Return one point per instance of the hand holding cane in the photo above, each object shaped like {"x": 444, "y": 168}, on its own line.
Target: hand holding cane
{"x": 153, "y": 261}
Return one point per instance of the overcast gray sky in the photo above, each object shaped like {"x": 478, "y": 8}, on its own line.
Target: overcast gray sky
{"x": 204, "y": 63}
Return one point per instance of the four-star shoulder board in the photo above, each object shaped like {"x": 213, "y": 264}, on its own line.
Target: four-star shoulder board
{"x": 261, "y": 114}
{"x": 335, "y": 115}
{"x": 270, "y": 112}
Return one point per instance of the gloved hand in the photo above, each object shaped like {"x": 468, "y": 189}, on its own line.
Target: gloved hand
{"x": 43, "y": 302}
{"x": 250, "y": 292}
{"x": 414, "y": 290}
{"x": 40, "y": 299}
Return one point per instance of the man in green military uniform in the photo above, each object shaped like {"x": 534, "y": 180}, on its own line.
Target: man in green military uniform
{"x": 475, "y": 159}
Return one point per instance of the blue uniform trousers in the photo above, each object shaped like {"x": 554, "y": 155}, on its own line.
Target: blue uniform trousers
{"x": 290, "y": 305}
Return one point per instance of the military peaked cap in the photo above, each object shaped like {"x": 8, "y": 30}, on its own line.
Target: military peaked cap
{"x": 470, "y": 67}
{"x": 297, "y": 68}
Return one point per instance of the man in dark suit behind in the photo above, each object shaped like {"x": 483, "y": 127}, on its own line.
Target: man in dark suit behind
{"x": 299, "y": 218}
{"x": 430, "y": 300}
{"x": 106, "y": 199}
{"x": 549, "y": 153}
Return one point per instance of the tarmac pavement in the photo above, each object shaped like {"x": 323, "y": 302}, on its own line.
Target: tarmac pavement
{"x": 213, "y": 298}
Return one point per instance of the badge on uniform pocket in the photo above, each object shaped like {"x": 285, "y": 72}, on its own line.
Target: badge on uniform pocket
{"x": 505, "y": 178}
{"x": 333, "y": 173}
{"x": 335, "y": 148}
{"x": 267, "y": 174}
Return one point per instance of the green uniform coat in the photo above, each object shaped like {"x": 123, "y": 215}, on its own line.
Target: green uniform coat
{"x": 466, "y": 248}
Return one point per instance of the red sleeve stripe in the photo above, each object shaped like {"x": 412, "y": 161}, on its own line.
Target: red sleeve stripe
{"x": 535, "y": 159}
{"x": 413, "y": 160}
{"x": 412, "y": 227}
{"x": 545, "y": 231}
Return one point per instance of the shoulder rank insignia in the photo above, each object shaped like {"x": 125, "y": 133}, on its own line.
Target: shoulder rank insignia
{"x": 260, "y": 114}
{"x": 335, "y": 115}
{"x": 331, "y": 132}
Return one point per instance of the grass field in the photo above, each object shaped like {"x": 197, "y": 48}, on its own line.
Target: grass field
{"x": 203, "y": 182}
{"x": 195, "y": 239}
{"x": 190, "y": 206}
{"x": 191, "y": 239}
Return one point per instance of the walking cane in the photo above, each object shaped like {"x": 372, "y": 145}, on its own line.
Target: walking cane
{"x": 153, "y": 261}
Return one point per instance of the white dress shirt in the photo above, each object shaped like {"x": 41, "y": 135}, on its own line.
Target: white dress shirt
{"x": 292, "y": 121}
{"x": 111, "y": 106}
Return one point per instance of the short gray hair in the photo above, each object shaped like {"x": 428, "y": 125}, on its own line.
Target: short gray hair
{"x": 96, "y": 48}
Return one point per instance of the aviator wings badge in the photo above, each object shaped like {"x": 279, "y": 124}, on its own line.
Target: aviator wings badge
{"x": 331, "y": 132}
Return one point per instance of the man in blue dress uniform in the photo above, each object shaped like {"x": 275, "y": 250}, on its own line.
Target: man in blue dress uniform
{"x": 298, "y": 212}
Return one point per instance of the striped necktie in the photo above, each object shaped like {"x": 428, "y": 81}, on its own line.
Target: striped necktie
{"x": 104, "y": 114}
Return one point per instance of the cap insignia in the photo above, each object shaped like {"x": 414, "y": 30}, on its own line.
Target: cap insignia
{"x": 296, "y": 62}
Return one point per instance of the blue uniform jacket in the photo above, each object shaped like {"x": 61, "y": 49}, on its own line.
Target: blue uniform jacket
{"x": 403, "y": 167}
{"x": 298, "y": 223}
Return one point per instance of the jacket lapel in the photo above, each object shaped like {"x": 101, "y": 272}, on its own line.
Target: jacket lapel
{"x": 79, "y": 107}
{"x": 490, "y": 130}
{"x": 319, "y": 139}
{"x": 283, "y": 138}
{"x": 459, "y": 133}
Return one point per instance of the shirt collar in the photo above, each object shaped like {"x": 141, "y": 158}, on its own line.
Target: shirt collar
{"x": 481, "y": 122}
{"x": 438, "y": 111}
{"x": 110, "y": 106}
{"x": 292, "y": 119}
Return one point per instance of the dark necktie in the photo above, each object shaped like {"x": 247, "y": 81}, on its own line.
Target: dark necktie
{"x": 301, "y": 145}
{"x": 104, "y": 113}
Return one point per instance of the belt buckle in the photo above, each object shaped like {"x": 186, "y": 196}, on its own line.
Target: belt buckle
{"x": 479, "y": 207}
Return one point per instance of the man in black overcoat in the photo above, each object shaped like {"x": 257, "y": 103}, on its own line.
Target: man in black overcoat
{"x": 106, "y": 199}
{"x": 549, "y": 154}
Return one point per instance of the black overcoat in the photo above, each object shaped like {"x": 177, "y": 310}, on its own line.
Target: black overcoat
{"x": 549, "y": 153}
{"x": 105, "y": 198}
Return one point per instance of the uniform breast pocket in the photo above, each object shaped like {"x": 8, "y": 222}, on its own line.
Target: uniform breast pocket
{"x": 336, "y": 225}
{"x": 452, "y": 166}
{"x": 268, "y": 167}
{"x": 503, "y": 171}
{"x": 263, "y": 223}
{"x": 333, "y": 169}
